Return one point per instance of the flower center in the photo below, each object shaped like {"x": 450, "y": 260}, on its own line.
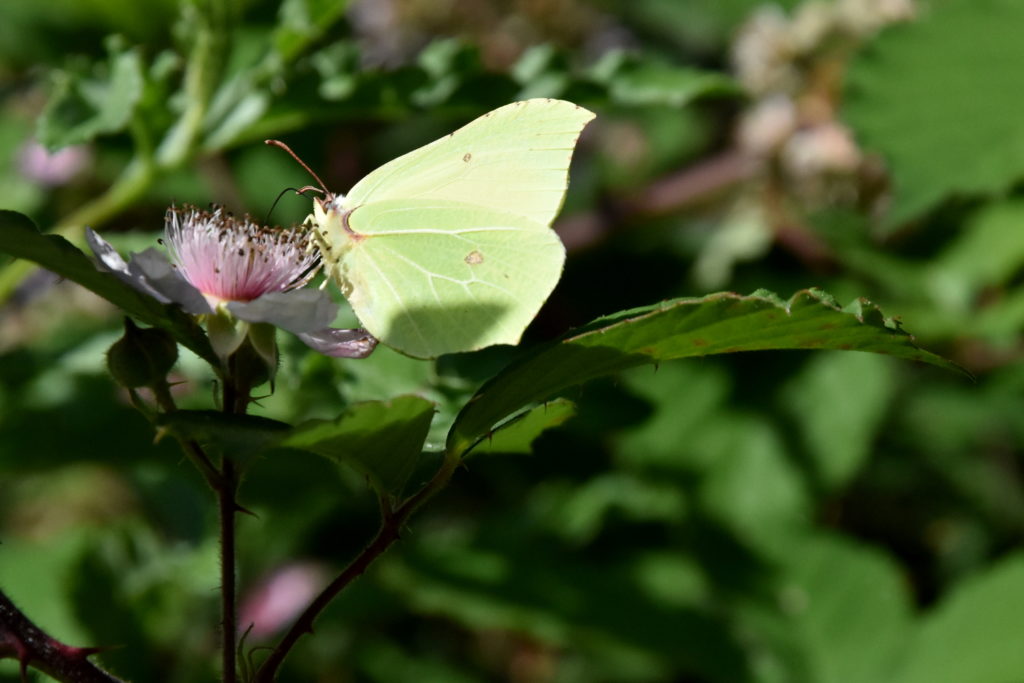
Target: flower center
{"x": 231, "y": 259}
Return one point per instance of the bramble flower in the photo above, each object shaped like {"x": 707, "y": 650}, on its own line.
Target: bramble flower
{"x": 52, "y": 169}
{"x": 235, "y": 273}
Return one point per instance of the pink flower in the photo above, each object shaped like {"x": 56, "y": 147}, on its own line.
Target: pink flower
{"x": 224, "y": 267}
{"x": 228, "y": 259}
{"x": 52, "y": 169}
{"x": 280, "y": 598}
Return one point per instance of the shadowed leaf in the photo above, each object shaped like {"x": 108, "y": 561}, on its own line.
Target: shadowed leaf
{"x": 380, "y": 439}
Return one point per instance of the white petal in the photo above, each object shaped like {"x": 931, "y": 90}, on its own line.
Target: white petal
{"x": 154, "y": 268}
{"x": 298, "y": 311}
{"x": 340, "y": 343}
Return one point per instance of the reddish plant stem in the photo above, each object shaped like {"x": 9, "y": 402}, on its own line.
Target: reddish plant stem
{"x": 22, "y": 640}
{"x": 389, "y": 532}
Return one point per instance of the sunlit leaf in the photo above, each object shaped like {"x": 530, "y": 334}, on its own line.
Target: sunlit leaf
{"x": 518, "y": 434}
{"x": 841, "y": 613}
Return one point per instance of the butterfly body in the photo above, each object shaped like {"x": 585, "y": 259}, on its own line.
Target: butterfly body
{"x": 449, "y": 247}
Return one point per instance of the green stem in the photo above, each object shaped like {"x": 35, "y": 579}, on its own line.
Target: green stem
{"x": 202, "y": 74}
{"x": 389, "y": 532}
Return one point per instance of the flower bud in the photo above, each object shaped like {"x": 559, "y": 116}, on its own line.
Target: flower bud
{"x": 142, "y": 357}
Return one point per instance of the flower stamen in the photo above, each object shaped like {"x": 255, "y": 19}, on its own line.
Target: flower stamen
{"x": 232, "y": 259}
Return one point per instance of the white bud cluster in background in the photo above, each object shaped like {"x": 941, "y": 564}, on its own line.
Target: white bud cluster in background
{"x": 793, "y": 66}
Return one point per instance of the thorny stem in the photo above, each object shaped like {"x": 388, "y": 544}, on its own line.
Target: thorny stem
{"x": 227, "y": 508}
{"x": 224, "y": 482}
{"x": 235, "y": 400}
{"x": 389, "y": 532}
{"x": 22, "y": 640}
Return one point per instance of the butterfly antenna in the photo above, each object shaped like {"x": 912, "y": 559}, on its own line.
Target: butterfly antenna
{"x": 296, "y": 190}
{"x": 278, "y": 143}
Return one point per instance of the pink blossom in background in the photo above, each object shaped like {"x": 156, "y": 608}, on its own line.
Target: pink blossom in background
{"x": 52, "y": 168}
{"x": 280, "y": 598}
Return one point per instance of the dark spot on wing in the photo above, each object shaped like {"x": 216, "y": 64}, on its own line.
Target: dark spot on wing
{"x": 474, "y": 258}
{"x": 466, "y": 157}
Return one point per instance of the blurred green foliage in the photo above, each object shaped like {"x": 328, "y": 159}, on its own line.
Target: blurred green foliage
{"x": 796, "y": 516}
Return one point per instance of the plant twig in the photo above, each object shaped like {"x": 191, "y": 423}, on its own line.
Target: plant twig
{"x": 22, "y": 640}
{"x": 389, "y": 532}
{"x": 227, "y": 508}
{"x": 235, "y": 400}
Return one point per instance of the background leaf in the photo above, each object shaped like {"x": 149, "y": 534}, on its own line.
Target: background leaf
{"x": 842, "y": 613}
{"x": 911, "y": 92}
{"x": 87, "y": 105}
{"x": 838, "y": 401}
{"x": 971, "y": 635}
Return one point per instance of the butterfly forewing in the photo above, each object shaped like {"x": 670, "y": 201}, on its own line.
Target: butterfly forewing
{"x": 514, "y": 159}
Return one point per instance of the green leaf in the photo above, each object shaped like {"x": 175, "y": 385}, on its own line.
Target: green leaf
{"x": 974, "y": 635}
{"x": 518, "y": 434}
{"x": 839, "y": 400}
{"x": 989, "y": 252}
{"x": 750, "y": 482}
{"x": 580, "y": 514}
{"x": 841, "y": 613}
{"x": 655, "y": 443}
{"x": 940, "y": 99}
{"x": 380, "y": 439}
{"x": 84, "y": 106}
{"x": 223, "y": 434}
{"x": 303, "y": 22}
{"x": 648, "y": 614}
{"x": 635, "y": 82}
{"x": 35, "y": 576}
{"x": 744, "y": 475}
{"x": 21, "y": 239}
{"x": 682, "y": 328}
{"x": 382, "y": 660}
